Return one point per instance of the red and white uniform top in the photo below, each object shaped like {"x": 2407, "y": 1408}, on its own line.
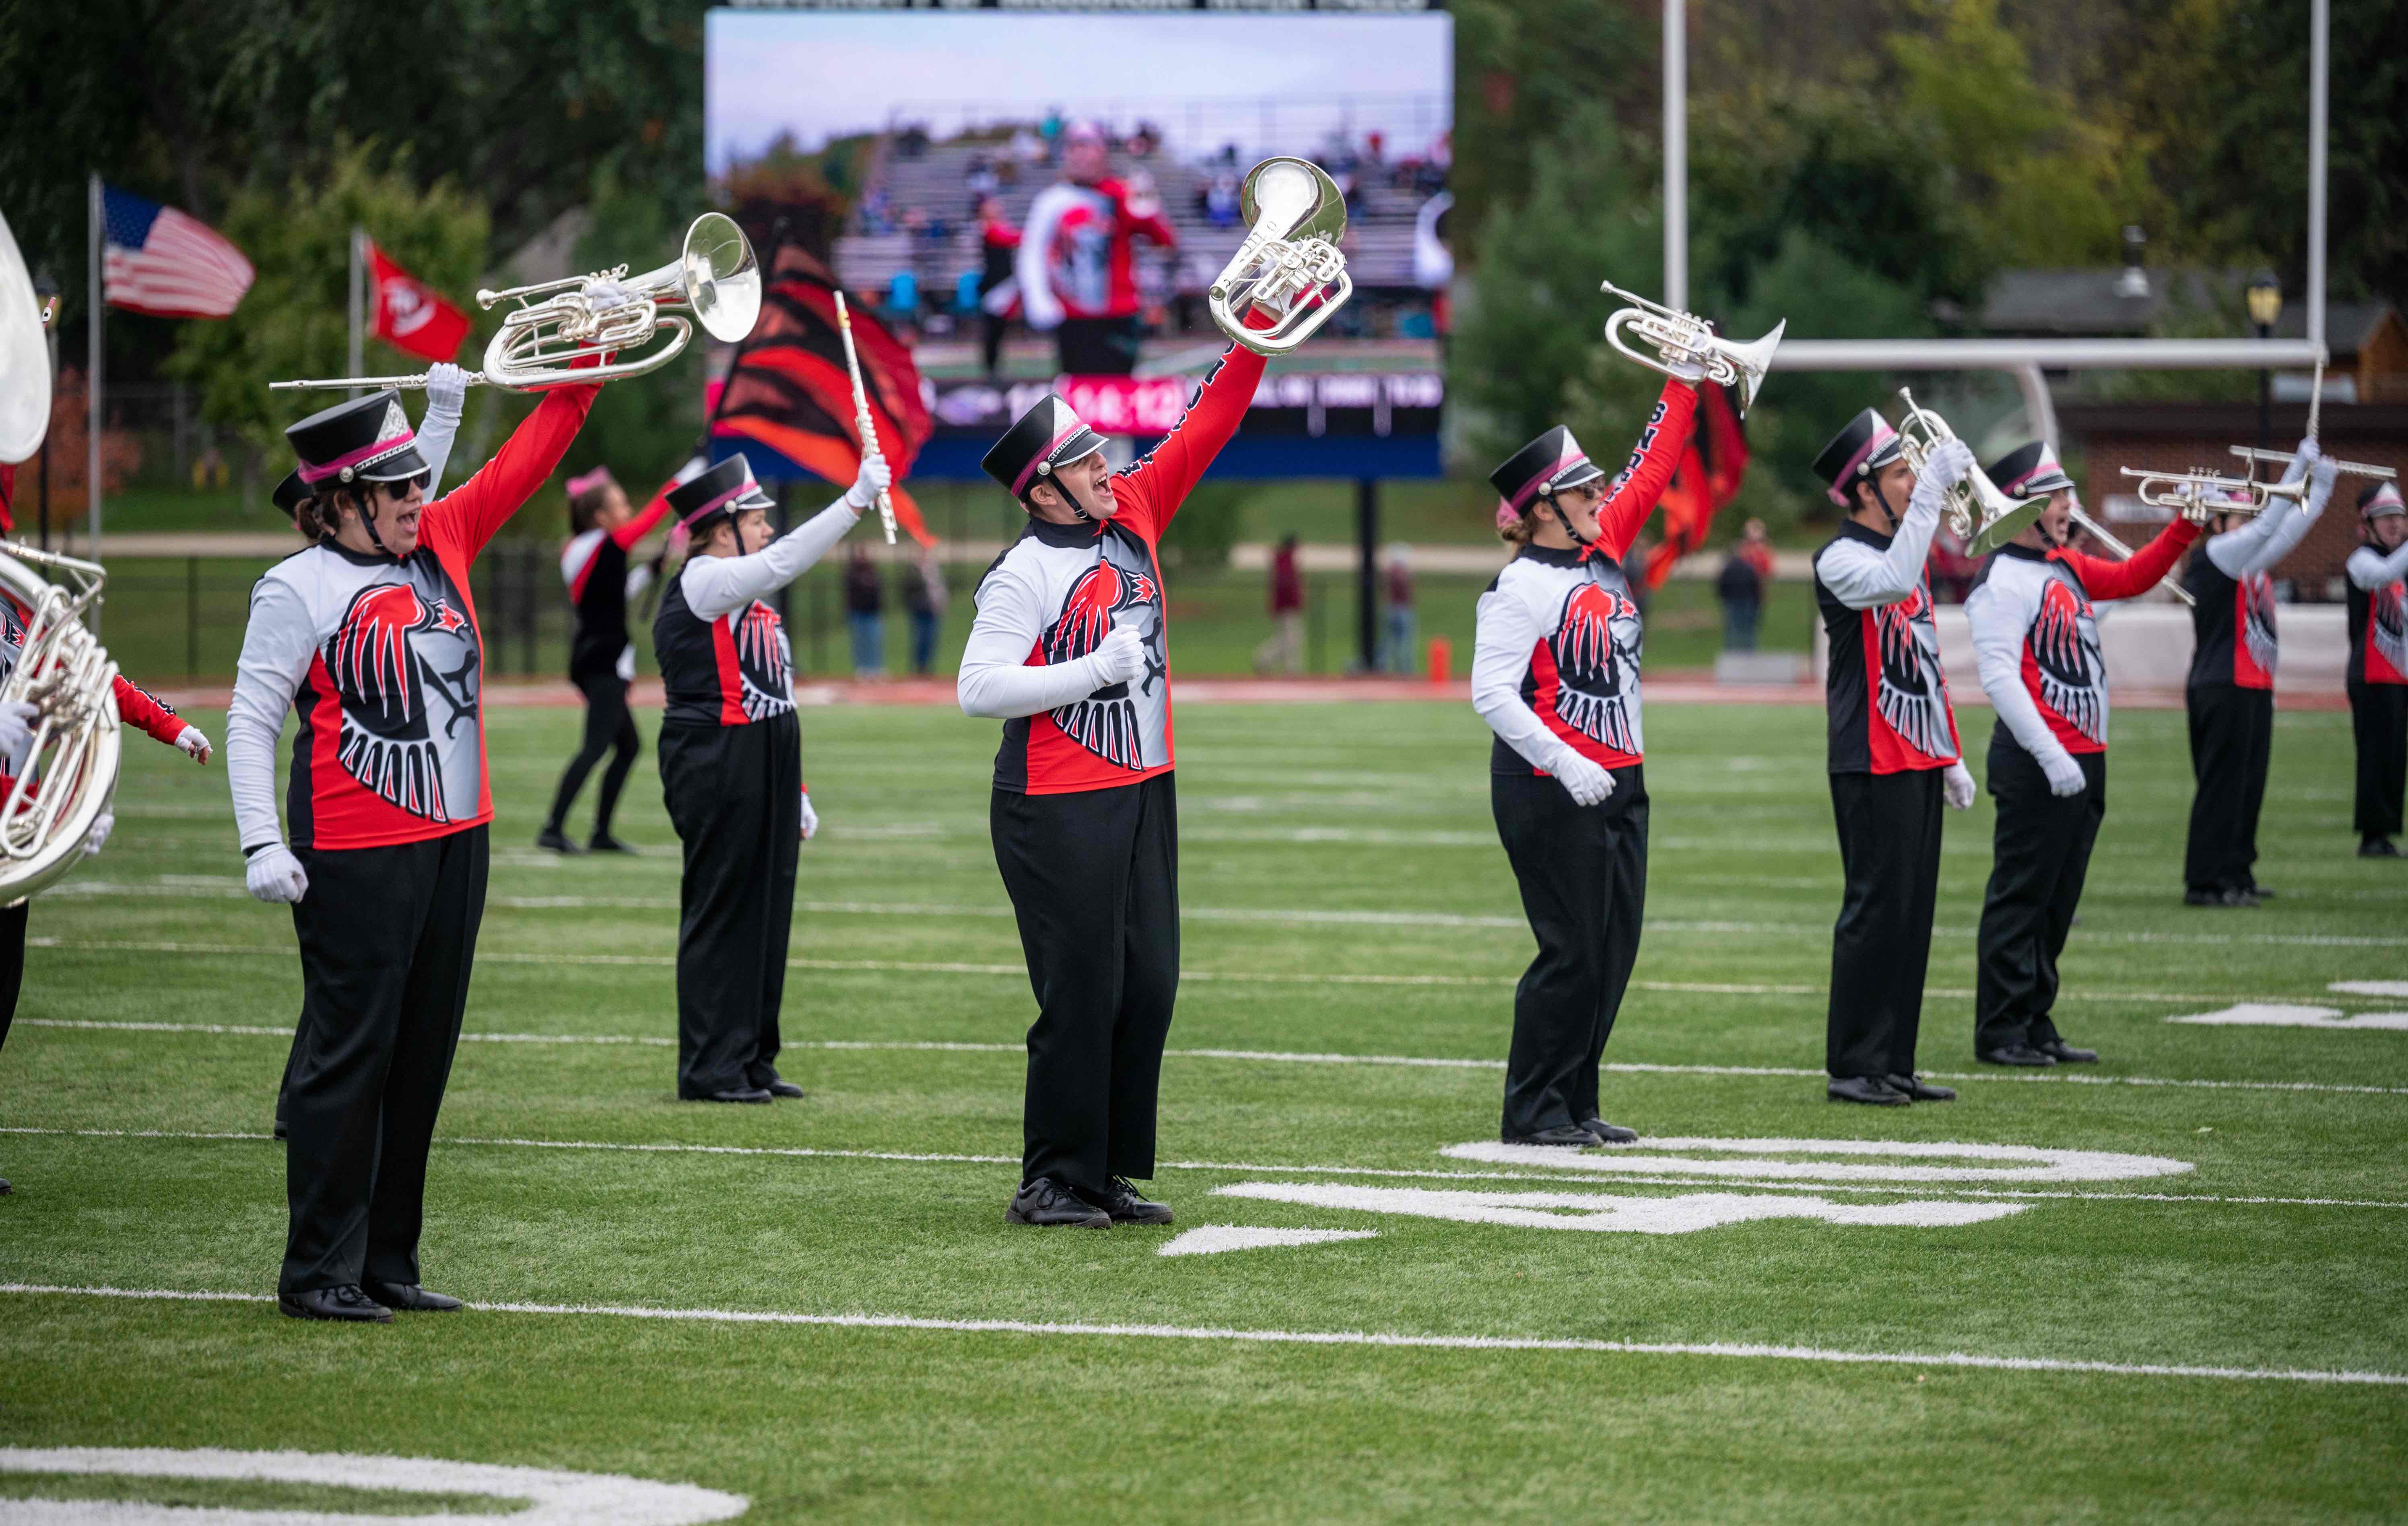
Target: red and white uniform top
{"x": 2232, "y": 581}
{"x": 1885, "y": 695}
{"x": 2036, "y": 636}
{"x": 723, "y": 652}
{"x": 1056, "y": 592}
{"x": 383, "y": 663}
{"x": 1556, "y": 659}
{"x": 1076, "y": 259}
{"x": 2378, "y": 616}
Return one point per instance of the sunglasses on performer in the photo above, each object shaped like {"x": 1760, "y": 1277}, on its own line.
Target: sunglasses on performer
{"x": 400, "y": 490}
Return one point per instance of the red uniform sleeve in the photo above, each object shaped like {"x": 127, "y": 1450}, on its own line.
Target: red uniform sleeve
{"x": 641, "y": 526}
{"x": 1170, "y": 470}
{"x": 1156, "y": 227}
{"x": 139, "y": 706}
{"x": 2104, "y": 578}
{"x": 471, "y": 513}
{"x": 1653, "y": 461}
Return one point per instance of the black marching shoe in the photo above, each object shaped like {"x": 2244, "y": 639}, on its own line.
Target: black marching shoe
{"x": 2066, "y": 1053}
{"x": 733, "y": 1094}
{"x": 5, "y": 1187}
{"x": 1563, "y": 1136}
{"x": 2016, "y": 1054}
{"x": 2376, "y": 847}
{"x": 282, "y": 1131}
{"x": 777, "y": 1086}
{"x": 2263, "y": 892}
{"x": 602, "y": 841}
{"x": 1918, "y": 1089}
{"x": 1870, "y": 1090}
{"x": 409, "y": 1298}
{"x": 1610, "y": 1133}
{"x": 552, "y": 840}
{"x": 1122, "y": 1201}
{"x": 1047, "y": 1203}
{"x": 2220, "y": 897}
{"x": 346, "y": 1303}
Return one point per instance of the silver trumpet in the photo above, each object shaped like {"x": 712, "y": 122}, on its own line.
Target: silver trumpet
{"x": 715, "y": 280}
{"x": 2122, "y": 553}
{"x": 1980, "y": 514}
{"x": 2200, "y": 496}
{"x": 2346, "y": 468}
{"x": 1294, "y": 215}
{"x": 1683, "y": 339}
{"x": 68, "y": 774}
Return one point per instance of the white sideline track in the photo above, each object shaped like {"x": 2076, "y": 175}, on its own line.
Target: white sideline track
{"x": 1323, "y": 1337}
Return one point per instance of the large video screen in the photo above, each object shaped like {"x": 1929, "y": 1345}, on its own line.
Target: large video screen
{"x": 1032, "y": 199}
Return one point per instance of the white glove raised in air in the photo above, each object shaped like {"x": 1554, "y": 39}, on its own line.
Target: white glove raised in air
{"x": 873, "y": 478}
{"x": 1691, "y": 372}
{"x": 1957, "y": 784}
{"x": 1588, "y": 781}
{"x": 446, "y": 388}
{"x": 810, "y": 818}
{"x": 99, "y": 833}
{"x": 1119, "y": 658}
{"x": 275, "y": 877}
{"x": 1951, "y": 464}
{"x": 2064, "y": 774}
{"x": 602, "y": 296}
{"x": 2321, "y": 473}
{"x": 195, "y": 744}
{"x": 17, "y": 719}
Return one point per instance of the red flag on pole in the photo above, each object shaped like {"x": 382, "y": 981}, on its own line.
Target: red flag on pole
{"x": 411, "y": 316}
{"x": 1707, "y": 479}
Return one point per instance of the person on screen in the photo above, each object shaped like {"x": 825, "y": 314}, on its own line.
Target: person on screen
{"x": 1077, "y": 264}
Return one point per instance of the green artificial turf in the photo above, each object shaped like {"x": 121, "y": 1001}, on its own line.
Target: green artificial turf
{"x": 1344, "y": 896}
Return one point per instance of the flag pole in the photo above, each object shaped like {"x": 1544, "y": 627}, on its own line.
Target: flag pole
{"x": 359, "y": 305}
{"x": 97, "y": 221}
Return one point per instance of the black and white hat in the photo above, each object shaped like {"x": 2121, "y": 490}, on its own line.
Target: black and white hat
{"x": 2379, "y": 499}
{"x": 2029, "y": 471}
{"x": 728, "y": 488}
{"x": 366, "y": 439}
{"x": 1544, "y": 468}
{"x": 1864, "y": 447}
{"x": 1049, "y": 435}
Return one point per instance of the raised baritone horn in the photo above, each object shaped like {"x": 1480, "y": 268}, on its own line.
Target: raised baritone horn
{"x": 1684, "y": 338}
{"x": 1294, "y": 215}
{"x": 1979, "y": 511}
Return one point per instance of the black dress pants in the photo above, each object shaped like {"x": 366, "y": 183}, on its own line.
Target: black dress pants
{"x": 1889, "y": 852}
{"x": 2378, "y": 718}
{"x": 609, "y": 725}
{"x": 735, "y": 796}
{"x": 2042, "y": 852}
{"x": 388, "y": 938}
{"x": 1098, "y": 346}
{"x": 1584, "y": 877}
{"x": 2231, "y": 731}
{"x": 12, "y": 962}
{"x": 1094, "y": 880}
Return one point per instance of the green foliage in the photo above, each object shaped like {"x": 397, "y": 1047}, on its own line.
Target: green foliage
{"x": 1531, "y": 78}
{"x": 1208, "y": 524}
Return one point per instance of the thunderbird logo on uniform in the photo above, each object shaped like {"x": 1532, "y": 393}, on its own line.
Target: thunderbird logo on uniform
{"x": 405, "y": 667}
{"x": 1914, "y": 692}
{"x": 2387, "y": 625}
{"x": 2257, "y": 595}
{"x": 1596, "y": 649}
{"x": 1109, "y": 722}
{"x": 765, "y": 663}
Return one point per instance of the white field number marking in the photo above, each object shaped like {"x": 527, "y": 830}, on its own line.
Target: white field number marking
{"x": 1754, "y": 1157}
{"x": 2369, "y": 987}
{"x": 2278, "y": 1015}
{"x": 1601, "y": 1212}
{"x": 552, "y": 1498}
{"x": 1212, "y": 1239}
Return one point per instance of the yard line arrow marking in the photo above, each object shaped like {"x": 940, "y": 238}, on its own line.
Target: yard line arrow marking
{"x": 2279, "y": 1015}
{"x": 1212, "y": 1239}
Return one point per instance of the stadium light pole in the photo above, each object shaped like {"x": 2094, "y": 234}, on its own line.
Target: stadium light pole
{"x": 1676, "y": 153}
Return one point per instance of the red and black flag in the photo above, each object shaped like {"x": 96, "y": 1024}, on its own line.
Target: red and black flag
{"x": 790, "y": 390}
{"x": 1705, "y": 482}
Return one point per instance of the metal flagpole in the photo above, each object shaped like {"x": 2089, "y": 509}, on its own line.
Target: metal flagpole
{"x": 1676, "y": 153}
{"x": 98, "y": 221}
{"x": 2319, "y": 110}
{"x": 359, "y": 306}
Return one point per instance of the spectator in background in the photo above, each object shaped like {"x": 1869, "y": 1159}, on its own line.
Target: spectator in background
{"x": 1745, "y": 577}
{"x": 1401, "y": 633}
{"x": 925, "y": 599}
{"x": 865, "y": 607}
{"x": 1077, "y": 263}
{"x": 998, "y": 289}
{"x": 981, "y": 181}
{"x": 1285, "y": 652}
{"x": 903, "y": 298}
{"x": 1219, "y": 201}
{"x": 1051, "y": 131}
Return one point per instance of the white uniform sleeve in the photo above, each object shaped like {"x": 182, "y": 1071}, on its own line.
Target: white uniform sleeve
{"x": 639, "y": 577}
{"x": 997, "y": 681}
{"x": 718, "y": 586}
{"x": 1863, "y": 579}
{"x": 2235, "y": 551}
{"x": 2370, "y": 570}
{"x": 435, "y": 433}
{"x": 2291, "y": 526}
{"x": 1999, "y": 615}
{"x": 1504, "y": 633}
{"x": 1037, "y": 303}
{"x": 277, "y": 647}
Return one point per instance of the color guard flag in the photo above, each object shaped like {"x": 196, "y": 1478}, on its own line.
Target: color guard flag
{"x": 410, "y": 314}
{"x": 157, "y": 260}
{"x": 1706, "y": 481}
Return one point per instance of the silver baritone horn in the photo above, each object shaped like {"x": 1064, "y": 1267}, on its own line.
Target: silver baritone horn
{"x": 1683, "y": 339}
{"x": 1296, "y": 216}
{"x": 1982, "y": 516}
{"x": 715, "y": 280}
{"x": 69, "y": 773}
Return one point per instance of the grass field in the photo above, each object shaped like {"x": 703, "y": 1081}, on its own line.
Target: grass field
{"x": 2217, "y": 1328}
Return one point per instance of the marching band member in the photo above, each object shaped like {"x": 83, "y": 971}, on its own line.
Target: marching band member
{"x": 370, "y": 635}
{"x": 601, "y": 659}
{"x": 2231, "y": 692}
{"x": 731, "y": 756}
{"x": 1068, "y": 651}
{"x": 1555, "y": 672}
{"x": 2377, "y": 680}
{"x": 1893, "y": 753}
{"x": 1076, "y": 265}
{"x": 2036, "y": 642}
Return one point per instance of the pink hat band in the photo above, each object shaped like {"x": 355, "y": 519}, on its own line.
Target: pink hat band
{"x": 1521, "y": 499}
{"x": 716, "y": 504}
{"x": 1020, "y": 482}
{"x": 1837, "y": 492}
{"x": 365, "y": 456}
{"x": 598, "y": 477}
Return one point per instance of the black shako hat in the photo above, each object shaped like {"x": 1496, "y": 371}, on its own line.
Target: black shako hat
{"x": 2380, "y": 498}
{"x": 1857, "y": 451}
{"x": 1544, "y": 468}
{"x": 366, "y": 439}
{"x": 1050, "y": 435}
{"x": 725, "y": 488}
{"x": 2029, "y": 471}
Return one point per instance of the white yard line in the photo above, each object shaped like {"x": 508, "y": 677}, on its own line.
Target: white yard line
{"x": 1323, "y": 1338}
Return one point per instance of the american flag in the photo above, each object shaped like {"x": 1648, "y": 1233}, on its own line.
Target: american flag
{"x": 162, "y": 262}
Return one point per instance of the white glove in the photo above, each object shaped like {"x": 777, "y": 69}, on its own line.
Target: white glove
{"x": 446, "y": 388}
{"x": 1951, "y": 464}
{"x": 2304, "y": 458}
{"x": 1120, "y": 658}
{"x": 99, "y": 833}
{"x": 2064, "y": 774}
{"x": 602, "y": 296}
{"x": 1691, "y": 372}
{"x": 195, "y": 745}
{"x": 275, "y": 877}
{"x": 1588, "y": 781}
{"x": 1957, "y": 784}
{"x": 873, "y": 478}
{"x": 2321, "y": 473}
{"x": 810, "y": 818}
{"x": 17, "y": 720}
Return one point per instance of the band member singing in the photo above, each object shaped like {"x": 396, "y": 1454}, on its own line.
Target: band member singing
{"x": 1555, "y": 672}
{"x": 371, "y": 635}
{"x": 601, "y": 659}
{"x": 2036, "y": 641}
{"x": 731, "y": 756}
{"x": 1077, "y": 265}
{"x": 2230, "y": 694}
{"x": 1068, "y": 651}
{"x": 1894, "y": 754}
{"x": 2378, "y": 667}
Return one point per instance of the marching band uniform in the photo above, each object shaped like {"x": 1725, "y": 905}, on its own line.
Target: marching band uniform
{"x": 1555, "y": 673}
{"x": 1076, "y": 264}
{"x": 1069, "y": 649}
{"x": 601, "y": 662}
{"x": 1893, "y": 757}
{"x": 382, "y": 659}
{"x": 732, "y": 769}
{"x": 2036, "y": 642}
{"x": 2231, "y": 692}
{"x": 2377, "y": 680}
